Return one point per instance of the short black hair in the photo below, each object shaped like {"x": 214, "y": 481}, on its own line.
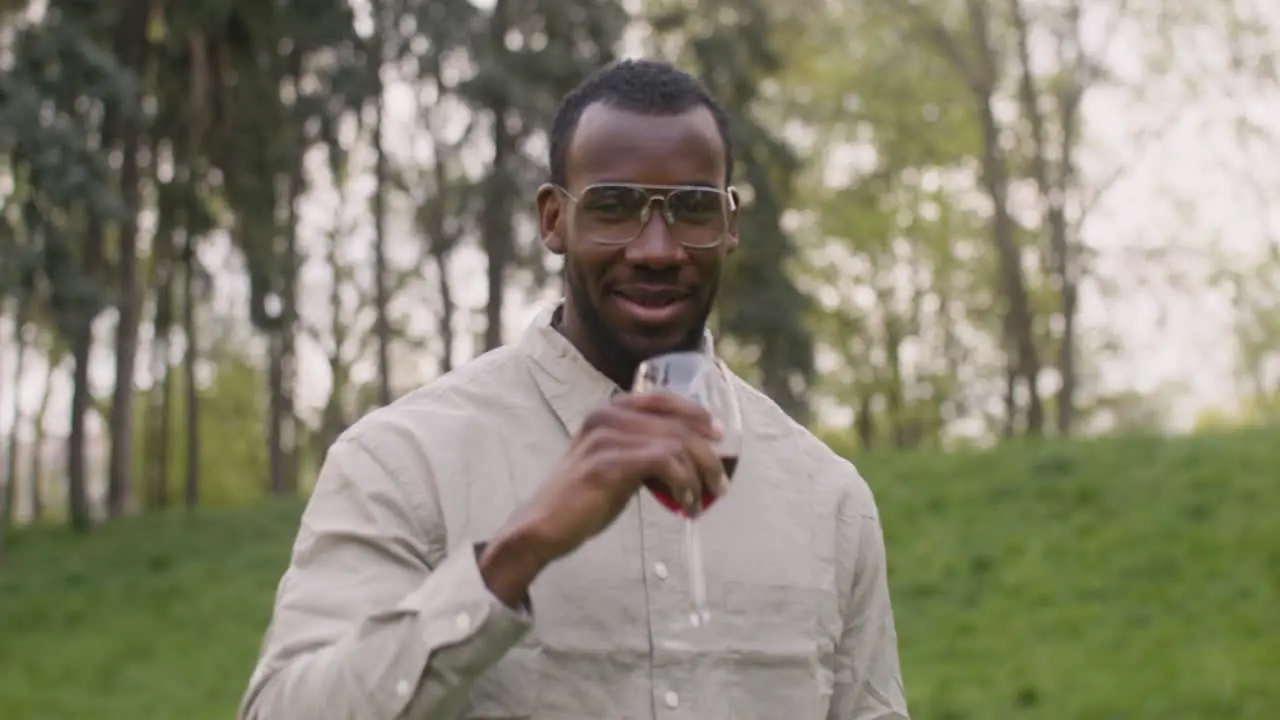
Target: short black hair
{"x": 641, "y": 86}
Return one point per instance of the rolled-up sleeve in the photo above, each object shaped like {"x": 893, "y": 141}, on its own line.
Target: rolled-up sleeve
{"x": 868, "y": 679}
{"x": 365, "y": 624}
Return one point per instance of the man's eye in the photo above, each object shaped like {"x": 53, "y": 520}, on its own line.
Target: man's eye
{"x": 611, "y": 202}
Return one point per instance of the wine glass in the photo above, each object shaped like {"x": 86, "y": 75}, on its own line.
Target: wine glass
{"x": 702, "y": 380}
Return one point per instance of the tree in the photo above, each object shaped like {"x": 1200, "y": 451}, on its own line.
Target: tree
{"x": 63, "y": 121}
{"x": 761, "y": 311}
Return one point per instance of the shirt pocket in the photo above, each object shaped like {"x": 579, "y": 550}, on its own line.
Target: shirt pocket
{"x": 779, "y": 657}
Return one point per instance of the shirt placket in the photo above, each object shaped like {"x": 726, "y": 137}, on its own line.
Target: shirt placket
{"x": 673, "y": 656}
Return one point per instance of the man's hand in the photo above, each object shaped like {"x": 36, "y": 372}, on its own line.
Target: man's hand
{"x": 655, "y": 436}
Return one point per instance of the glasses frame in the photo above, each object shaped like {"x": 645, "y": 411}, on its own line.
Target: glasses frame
{"x": 730, "y": 206}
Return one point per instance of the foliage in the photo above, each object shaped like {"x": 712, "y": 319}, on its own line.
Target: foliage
{"x": 232, "y": 455}
{"x": 330, "y": 178}
{"x": 61, "y": 79}
{"x": 255, "y": 197}
{"x": 733, "y": 48}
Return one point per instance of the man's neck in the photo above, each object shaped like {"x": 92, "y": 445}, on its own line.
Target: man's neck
{"x": 619, "y": 369}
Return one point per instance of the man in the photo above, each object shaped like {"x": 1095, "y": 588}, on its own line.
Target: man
{"x": 479, "y": 548}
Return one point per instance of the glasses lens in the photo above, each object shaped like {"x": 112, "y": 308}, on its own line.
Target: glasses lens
{"x": 615, "y": 214}
{"x": 611, "y": 213}
{"x": 700, "y": 216}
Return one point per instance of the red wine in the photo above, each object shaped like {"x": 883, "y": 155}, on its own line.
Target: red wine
{"x": 663, "y": 495}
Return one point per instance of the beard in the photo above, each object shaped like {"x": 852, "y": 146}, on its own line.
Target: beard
{"x": 614, "y": 346}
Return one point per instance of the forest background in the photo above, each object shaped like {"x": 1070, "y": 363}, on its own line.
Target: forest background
{"x": 1019, "y": 259}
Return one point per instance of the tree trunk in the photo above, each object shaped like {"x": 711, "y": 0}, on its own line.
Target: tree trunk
{"x": 382, "y": 323}
{"x": 131, "y": 49}
{"x": 160, "y": 416}
{"x": 1053, "y": 188}
{"x": 334, "y": 420}
{"x": 278, "y": 485}
{"x": 36, "y": 488}
{"x": 159, "y": 405}
{"x": 1019, "y": 320}
{"x": 282, "y": 434}
{"x": 954, "y": 399}
{"x": 444, "y": 325}
{"x": 1068, "y": 263}
{"x": 289, "y": 338}
{"x": 8, "y": 500}
{"x": 191, "y": 476}
{"x": 1011, "y": 410}
{"x": 441, "y": 246}
{"x": 980, "y": 70}
{"x": 895, "y": 407}
{"x": 77, "y": 465}
{"x": 865, "y": 422}
{"x": 78, "y": 321}
{"x": 499, "y": 245}
{"x": 120, "y": 476}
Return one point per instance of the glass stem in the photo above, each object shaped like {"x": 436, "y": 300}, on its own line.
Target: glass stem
{"x": 697, "y": 576}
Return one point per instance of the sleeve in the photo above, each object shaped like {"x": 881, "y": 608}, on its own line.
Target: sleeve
{"x": 868, "y": 678}
{"x": 364, "y": 625}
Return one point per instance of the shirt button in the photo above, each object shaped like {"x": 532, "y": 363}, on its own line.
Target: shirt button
{"x": 403, "y": 688}
{"x": 671, "y": 699}
{"x": 660, "y": 570}
{"x": 463, "y": 621}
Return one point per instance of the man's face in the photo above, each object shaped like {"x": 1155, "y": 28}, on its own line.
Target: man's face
{"x": 652, "y": 294}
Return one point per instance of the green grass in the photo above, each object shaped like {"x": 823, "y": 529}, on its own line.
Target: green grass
{"x": 151, "y": 619}
{"x": 1118, "y": 579}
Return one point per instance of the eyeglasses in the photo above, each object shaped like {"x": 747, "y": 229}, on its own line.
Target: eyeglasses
{"x": 615, "y": 213}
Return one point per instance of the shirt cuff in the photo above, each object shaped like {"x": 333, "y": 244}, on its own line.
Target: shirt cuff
{"x": 525, "y": 605}
{"x": 456, "y": 608}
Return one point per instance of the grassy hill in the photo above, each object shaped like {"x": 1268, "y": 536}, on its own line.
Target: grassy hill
{"x": 1119, "y": 579}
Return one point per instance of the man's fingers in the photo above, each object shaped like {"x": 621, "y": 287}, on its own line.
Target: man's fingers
{"x": 670, "y": 466}
{"x": 676, "y": 407}
{"x": 657, "y": 437}
{"x": 707, "y": 464}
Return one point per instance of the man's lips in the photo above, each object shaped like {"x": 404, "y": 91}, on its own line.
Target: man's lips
{"x": 652, "y": 295}
{"x": 651, "y": 304}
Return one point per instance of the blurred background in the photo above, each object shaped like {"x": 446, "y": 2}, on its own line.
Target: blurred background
{"x": 1018, "y": 259}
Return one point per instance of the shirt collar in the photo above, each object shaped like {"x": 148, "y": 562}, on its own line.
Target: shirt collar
{"x": 572, "y": 386}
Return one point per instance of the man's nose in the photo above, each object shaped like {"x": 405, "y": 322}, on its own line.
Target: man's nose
{"x": 654, "y": 246}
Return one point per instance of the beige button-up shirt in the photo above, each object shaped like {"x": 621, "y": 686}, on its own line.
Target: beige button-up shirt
{"x": 382, "y": 613}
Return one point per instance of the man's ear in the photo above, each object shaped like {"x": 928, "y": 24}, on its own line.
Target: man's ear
{"x": 731, "y": 239}
{"x": 550, "y": 218}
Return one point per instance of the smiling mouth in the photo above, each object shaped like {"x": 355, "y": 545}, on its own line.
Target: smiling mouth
{"x": 652, "y": 306}
{"x": 652, "y": 298}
